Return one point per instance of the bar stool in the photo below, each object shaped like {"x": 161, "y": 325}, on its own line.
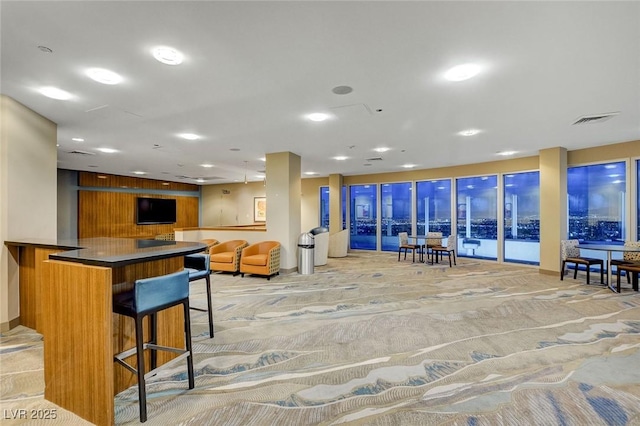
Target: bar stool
{"x": 148, "y": 297}
{"x": 198, "y": 267}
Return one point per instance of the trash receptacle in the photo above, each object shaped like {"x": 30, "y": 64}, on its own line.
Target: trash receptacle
{"x": 306, "y": 245}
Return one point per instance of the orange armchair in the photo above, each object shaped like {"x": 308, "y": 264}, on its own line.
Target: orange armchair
{"x": 226, "y": 256}
{"x": 261, "y": 259}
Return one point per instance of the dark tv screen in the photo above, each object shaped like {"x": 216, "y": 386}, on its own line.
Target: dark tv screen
{"x": 155, "y": 210}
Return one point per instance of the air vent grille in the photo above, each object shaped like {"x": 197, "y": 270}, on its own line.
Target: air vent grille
{"x": 374, "y": 159}
{"x": 595, "y": 118}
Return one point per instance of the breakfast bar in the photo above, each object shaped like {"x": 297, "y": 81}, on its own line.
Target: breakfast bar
{"x": 72, "y": 285}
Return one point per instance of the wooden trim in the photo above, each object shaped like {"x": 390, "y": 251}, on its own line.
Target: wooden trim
{"x": 105, "y": 180}
{"x": 260, "y": 228}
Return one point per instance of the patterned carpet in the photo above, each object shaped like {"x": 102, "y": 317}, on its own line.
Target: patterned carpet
{"x": 368, "y": 340}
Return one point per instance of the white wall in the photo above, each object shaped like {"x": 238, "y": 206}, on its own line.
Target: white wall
{"x": 28, "y": 191}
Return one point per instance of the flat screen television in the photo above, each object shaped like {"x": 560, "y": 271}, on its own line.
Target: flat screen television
{"x": 155, "y": 210}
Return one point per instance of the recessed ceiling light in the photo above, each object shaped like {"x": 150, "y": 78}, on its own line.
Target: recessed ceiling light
{"x": 104, "y": 76}
{"x": 167, "y": 55}
{"x": 342, "y": 90}
{"x": 200, "y": 180}
{"x": 189, "y": 136}
{"x": 208, "y": 166}
{"x": 318, "y": 116}
{"x": 383, "y": 149}
{"x": 139, "y": 172}
{"x": 340, "y": 158}
{"x": 469, "y": 132}
{"x": 55, "y": 93}
{"x": 310, "y": 173}
{"x": 77, "y": 139}
{"x": 107, "y": 150}
{"x": 462, "y": 72}
{"x": 506, "y": 153}
{"x": 263, "y": 159}
{"x": 408, "y": 166}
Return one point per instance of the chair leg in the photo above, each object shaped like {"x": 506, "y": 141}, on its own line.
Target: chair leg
{"x": 588, "y": 271}
{"x": 602, "y": 273}
{"x": 142, "y": 395}
{"x": 575, "y": 272}
{"x": 188, "y": 346}
{"x": 449, "y": 253}
{"x": 618, "y": 280}
{"x": 210, "y": 308}
{"x": 153, "y": 325}
{"x": 454, "y": 257}
{"x": 399, "y": 250}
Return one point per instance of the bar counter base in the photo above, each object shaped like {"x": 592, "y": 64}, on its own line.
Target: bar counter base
{"x": 81, "y": 334}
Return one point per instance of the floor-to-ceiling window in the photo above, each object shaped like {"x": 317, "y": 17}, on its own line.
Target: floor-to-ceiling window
{"x": 521, "y": 212}
{"x": 363, "y": 216}
{"x": 638, "y": 199}
{"x": 396, "y": 213}
{"x": 433, "y": 207}
{"x": 596, "y": 202}
{"x": 477, "y": 230}
{"x": 324, "y": 206}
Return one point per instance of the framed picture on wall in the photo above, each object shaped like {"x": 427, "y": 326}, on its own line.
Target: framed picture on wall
{"x": 260, "y": 209}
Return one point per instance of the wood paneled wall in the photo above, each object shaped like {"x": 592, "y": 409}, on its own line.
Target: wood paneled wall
{"x": 104, "y": 180}
{"x": 113, "y": 214}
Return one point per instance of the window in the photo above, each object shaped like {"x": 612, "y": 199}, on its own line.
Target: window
{"x": 476, "y": 202}
{"x": 433, "y": 206}
{"x": 638, "y": 199}
{"x": 363, "y": 215}
{"x": 596, "y": 202}
{"x": 396, "y": 213}
{"x": 522, "y": 217}
{"x": 324, "y": 206}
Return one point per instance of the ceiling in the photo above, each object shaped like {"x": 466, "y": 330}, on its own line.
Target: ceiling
{"x": 253, "y": 70}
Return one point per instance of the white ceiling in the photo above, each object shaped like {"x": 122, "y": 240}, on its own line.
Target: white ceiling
{"x": 252, "y": 70}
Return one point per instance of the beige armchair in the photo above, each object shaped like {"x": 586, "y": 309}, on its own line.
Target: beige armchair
{"x": 226, "y": 256}
{"x": 262, "y": 258}
{"x": 339, "y": 244}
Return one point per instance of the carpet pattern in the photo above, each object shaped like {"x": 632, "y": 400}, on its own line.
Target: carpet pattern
{"x": 368, "y": 340}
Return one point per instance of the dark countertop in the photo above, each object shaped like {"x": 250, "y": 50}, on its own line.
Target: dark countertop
{"x": 112, "y": 252}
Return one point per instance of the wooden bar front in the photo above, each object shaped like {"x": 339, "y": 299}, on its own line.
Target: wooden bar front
{"x": 81, "y": 334}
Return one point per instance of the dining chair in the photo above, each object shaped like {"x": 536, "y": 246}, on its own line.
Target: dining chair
{"x": 628, "y": 258}
{"x": 570, "y": 253}
{"x": 404, "y": 244}
{"x": 449, "y": 249}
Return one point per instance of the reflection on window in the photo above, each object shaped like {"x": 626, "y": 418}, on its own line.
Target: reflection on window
{"x": 433, "y": 206}
{"x": 396, "y": 213}
{"x": 596, "y": 202}
{"x": 522, "y": 217}
{"x": 476, "y": 201}
{"x": 364, "y": 216}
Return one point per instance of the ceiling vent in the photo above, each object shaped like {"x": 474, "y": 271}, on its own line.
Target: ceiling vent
{"x": 596, "y": 118}
{"x": 374, "y": 159}
{"x": 79, "y": 152}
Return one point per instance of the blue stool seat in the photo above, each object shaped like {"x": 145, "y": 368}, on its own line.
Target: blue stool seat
{"x": 148, "y": 297}
{"x": 197, "y": 265}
